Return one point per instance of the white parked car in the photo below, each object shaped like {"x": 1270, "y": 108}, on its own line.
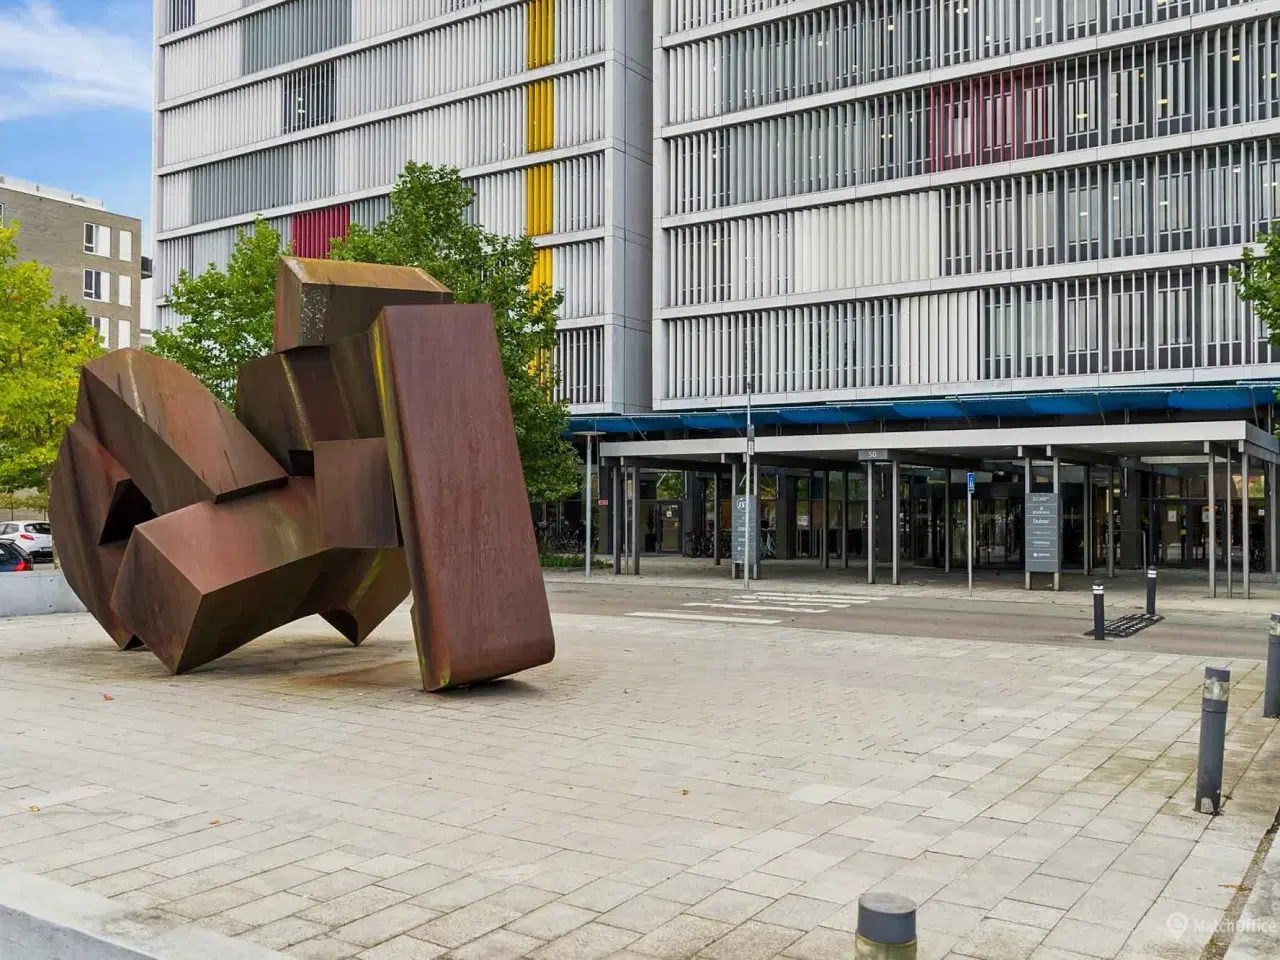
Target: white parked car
{"x": 33, "y": 536}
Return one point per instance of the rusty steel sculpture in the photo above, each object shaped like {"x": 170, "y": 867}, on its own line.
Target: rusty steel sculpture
{"x": 373, "y": 454}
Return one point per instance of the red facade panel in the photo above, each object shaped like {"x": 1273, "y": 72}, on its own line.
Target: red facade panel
{"x": 313, "y": 230}
{"x": 1002, "y": 116}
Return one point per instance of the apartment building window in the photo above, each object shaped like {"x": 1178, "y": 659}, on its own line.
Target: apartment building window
{"x": 97, "y": 239}
{"x": 182, "y": 14}
{"x": 309, "y": 98}
{"x": 126, "y": 246}
{"x": 97, "y": 285}
{"x": 125, "y": 287}
{"x": 103, "y": 326}
{"x": 124, "y": 333}
{"x": 2, "y": 220}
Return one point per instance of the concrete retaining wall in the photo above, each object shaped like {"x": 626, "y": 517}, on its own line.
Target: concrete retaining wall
{"x": 44, "y": 920}
{"x": 37, "y": 592}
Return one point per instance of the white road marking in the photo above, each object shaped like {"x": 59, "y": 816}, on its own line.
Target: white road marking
{"x": 703, "y": 618}
{"x": 810, "y": 597}
{"x": 759, "y": 606}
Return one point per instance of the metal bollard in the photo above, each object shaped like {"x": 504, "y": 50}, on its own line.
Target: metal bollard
{"x": 886, "y": 928}
{"x": 1099, "y": 620}
{"x": 1151, "y": 591}
{"x": 1271, "y": 695}
{"x": 1213, "y": 739}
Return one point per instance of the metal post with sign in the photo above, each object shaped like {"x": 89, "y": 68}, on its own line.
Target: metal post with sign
{"x": 971, "y": 482}
{"x": 745, "y": 546}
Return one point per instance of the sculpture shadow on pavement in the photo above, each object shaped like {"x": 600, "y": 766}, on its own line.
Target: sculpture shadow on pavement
{"x": 371, "y": 455}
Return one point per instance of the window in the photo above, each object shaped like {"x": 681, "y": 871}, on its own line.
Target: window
{"x": 8, "y": 528}
{"x": 125, "y": 287}
{"x": 1, "y": 214}
{"x": 309, "y": 98}
{"x": 126, "y": 246}
{"x": 182, "y": 14}
{"x": 97, "y": 239}
{"x": 103, "y": 326}
{"x": 124, "y": 334}
{"x": 41, "y": 528}
{"x": 97, "y": 285}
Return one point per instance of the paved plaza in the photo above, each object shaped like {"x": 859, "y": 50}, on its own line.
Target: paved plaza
{"x": 664, "y": 789}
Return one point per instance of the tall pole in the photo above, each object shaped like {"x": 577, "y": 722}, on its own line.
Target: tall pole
{"x": 617, "y": 514}
{"x": 871, "y": 521}
{"x": 1271, "y": 518}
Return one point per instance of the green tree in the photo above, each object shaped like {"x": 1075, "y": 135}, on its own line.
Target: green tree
{"x": 1257, "y": 281}
{"x": 43, "y": 345}
{"x": 428, "y": 228}
{"x": 229, "y": 314}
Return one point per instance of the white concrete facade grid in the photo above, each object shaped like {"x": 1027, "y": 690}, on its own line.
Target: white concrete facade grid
{"x": 899, "y": 198}
{"x": 305, "y": 111}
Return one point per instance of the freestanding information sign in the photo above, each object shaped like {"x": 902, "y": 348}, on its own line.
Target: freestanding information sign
{"x": 746, "y": 519}
{"x": 1041, "y": 533}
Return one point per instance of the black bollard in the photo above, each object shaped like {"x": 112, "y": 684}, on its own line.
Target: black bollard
{"x": 886, "y": 927}
{"x": 1271, "y": 695}
{"x": 1099, "y": 620}
{"x": 1151, "y": 591}
{"x": 1213, "y": 739}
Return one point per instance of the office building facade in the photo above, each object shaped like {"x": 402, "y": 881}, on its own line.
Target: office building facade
{"x": 306, "y": 110}
{"x": 904, "y": 198}
{"x": 93, "y": 255}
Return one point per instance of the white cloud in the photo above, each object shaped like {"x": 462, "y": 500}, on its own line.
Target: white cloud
{"x": 50, "y": 65}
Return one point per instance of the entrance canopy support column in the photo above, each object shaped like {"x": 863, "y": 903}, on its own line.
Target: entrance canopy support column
{"x": 946, "y": 524}
{"x": 617, "y": 510}
{"x": 826, "y": 519}
{"x": 1226, "y": 539}
{"x": 1271, "y": 519}
{"x": 1245, "y": 562}
{"x": 1213, "y": 520}
{"x": 1057, "y": 495}
{"x": 1026, "y": 499}
{"x": 733, "y": 494}
{"x": 871, "y": 522}
{"x": 897, "y": 523}
{"x": 635, "y": 521}
{"x": 1111, "y": 524}
{"x": 844, "y": 523}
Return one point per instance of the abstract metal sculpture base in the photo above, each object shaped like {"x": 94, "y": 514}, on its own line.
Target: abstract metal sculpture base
{"x": 371, "y": 456}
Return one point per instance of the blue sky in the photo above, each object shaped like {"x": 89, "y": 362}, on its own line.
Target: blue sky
{"x": 75, "y": 98}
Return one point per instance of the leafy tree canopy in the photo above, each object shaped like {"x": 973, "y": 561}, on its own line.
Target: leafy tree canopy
{"x": 229, "y": 314}
{"x": 43, "y": 345}
{"x": 428, "y": 228}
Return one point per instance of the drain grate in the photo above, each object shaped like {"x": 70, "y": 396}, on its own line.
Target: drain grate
{"x": 1127, "y": 626}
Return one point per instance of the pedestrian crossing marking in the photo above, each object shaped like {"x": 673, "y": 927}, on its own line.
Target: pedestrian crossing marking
{"x": 703, "y": 618}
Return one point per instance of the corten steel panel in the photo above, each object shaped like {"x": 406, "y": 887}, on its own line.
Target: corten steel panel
{"x": 480, "y": 607}
{"x": 88, "y": 494}
{"x": 170, "y": 434}
{"x": 352, "y": 361}
{"x": 322, "y": 301}
{"x": 290, "y": 401}
{"x": 202, "y": 581}
{"x": 357, "y": 503}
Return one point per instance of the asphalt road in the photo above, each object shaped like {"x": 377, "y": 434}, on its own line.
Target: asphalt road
{"x": 1182, "y": 633}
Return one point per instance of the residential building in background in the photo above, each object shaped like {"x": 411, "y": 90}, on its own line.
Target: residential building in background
{"x": 306, "y": 110}
{"x": 93, "y": 254}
